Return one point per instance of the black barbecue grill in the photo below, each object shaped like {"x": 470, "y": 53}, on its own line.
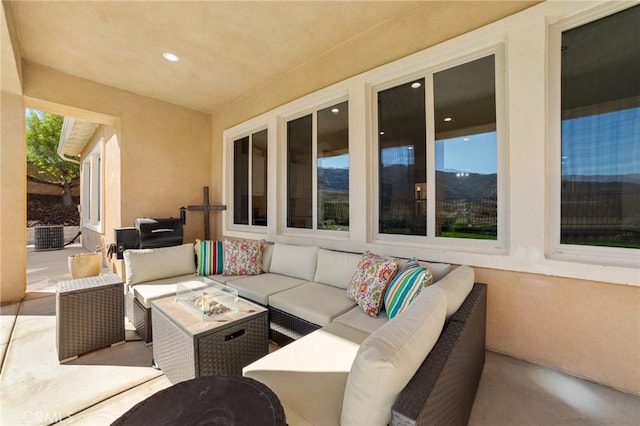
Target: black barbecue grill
{"x": 149, "y": 233}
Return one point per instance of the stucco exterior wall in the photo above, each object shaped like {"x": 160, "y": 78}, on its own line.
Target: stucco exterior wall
{"x": 587, "y": 325}
{"x": 13, "y": 200}
{"x": 157, "y": 155}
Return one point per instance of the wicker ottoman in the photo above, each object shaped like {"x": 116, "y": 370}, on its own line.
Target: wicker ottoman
{"x": 89, "y": 315}
{"x": 186, "y": 347}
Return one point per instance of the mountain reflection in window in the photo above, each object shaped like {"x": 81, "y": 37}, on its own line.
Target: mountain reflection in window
{"x": 600, "y": 149}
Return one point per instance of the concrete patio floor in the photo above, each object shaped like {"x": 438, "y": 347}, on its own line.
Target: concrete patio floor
{"x": 98, "y": 387}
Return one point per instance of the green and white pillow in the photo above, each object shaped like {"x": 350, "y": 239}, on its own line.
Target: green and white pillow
{"x": 210, "y": 256}
{"x": 405, "y": 286}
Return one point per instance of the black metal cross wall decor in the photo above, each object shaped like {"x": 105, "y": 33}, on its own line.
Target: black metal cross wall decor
{"x": 206, "y": 207}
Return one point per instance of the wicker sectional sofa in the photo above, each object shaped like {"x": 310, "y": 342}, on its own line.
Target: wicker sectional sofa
{"x": 425, "y": 364}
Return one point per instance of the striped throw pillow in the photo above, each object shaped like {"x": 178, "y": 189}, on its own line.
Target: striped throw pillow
{"x": 405, "y": 286}
{"x": 210, "y": 257}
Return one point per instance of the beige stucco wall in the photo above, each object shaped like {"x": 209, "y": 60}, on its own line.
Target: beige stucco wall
{"x": 157, "y": 155}
{"x": 587, "y": 328}
{"x": 93, "y": 239}
{"x": 13, "y": 199}
{"x": 590, "y": 329}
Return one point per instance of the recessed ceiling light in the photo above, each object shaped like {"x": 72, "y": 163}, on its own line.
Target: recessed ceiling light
{"x": 171, "y": 57}
{"x": 447, "y": 119}
{"x": 335, "y": 110}
{"x": 381, "y": 133}
{"x": 416, "y": 85}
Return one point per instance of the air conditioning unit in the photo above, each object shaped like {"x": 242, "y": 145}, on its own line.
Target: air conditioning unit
{"x": 48, "y": 237}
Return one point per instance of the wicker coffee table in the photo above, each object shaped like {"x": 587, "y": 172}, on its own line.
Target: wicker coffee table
{"x": 185, "y": 346}
{"x": 89, "y": 315}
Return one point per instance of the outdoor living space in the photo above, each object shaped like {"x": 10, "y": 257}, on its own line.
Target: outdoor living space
{"x": 496, "y": 136}
{"x": 98, "y": 387}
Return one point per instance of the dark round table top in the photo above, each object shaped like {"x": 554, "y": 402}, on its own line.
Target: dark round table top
{"x": 209, "y": 400}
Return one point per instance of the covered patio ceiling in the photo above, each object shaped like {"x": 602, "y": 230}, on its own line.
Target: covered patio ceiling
{"x": 227, "y": 49}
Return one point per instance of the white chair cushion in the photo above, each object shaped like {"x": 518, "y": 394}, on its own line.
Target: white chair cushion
{"x": 336, "y": 268}
{"x": 357, "y": 319}
{"x": 309, "y": 374}
{"x": 294, "y": 261}
{"x": 438, "y": 270}
{"x": 156, "y": 289}
{"x": 259, "y": 287}
{"x": 389, "y": 357}
{"x": 313, "y": 302}
{"x": 267, "y": 252}
{"x": 458, "y": 284}
{"x": 151, "y": 264}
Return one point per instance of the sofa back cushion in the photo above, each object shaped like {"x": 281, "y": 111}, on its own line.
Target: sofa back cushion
{"x": 458, "y": 284}
{"x": 143, "y": 265}
{"x": 294, "y": 261}
{"x": 389, "y": 357}
{"x": 267, "y": 252}
{"x": 336, "y": 268}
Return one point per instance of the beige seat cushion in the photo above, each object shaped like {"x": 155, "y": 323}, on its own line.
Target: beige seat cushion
{"x": 259, "y": 287}
{"x": 357, "y": 319}
{"x": 309, "y": 374}
{"x": 152, "y": 290}
{"x": 313, "y": 302}
{"x": 223, "y": 279}
{"x": 389, "y": 357}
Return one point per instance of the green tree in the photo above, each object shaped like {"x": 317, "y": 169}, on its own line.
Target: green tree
{"x": 43, "y": 135}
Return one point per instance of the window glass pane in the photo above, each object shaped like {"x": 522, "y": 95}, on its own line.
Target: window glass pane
{"x": 333, "y": 167}
{"x": 402, "y": 153}
{"x": 259, "y": 178}
{"x": 600, "y": 163}
{"x": 466, "y": 151}
{"x": 241, "y": 181}
{"x": 299, "y": 173}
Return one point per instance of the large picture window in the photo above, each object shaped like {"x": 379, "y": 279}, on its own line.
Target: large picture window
{"x": 318, "y": 197}
{"x": 458, "y": 185}
{"x": 250, "y": 179}
{"x": 600, "y": 132}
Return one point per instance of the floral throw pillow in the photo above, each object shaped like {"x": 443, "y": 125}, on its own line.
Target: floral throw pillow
{"x": 242, "y": 257}
{"x": 405, "y": 286}
{"x": 370, "y": 281}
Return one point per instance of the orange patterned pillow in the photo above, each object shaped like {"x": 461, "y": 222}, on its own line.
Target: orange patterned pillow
{"x": 370, "y": 281}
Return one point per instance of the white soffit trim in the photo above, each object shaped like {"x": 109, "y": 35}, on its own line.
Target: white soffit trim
{"x": 74, "y": 137}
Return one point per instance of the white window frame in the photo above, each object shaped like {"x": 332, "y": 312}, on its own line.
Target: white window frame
{"x": 498, "y": 246}
{"x": 313, "y": 111}
{"x": 93, "y": 188}
{"x": 606, "y": 256}
{"x": 247, "y": 130}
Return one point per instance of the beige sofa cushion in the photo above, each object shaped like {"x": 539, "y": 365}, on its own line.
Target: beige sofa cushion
{"x": 389, "y": 357}
{"x": 151, "y": 264}
{"x": 307, "y": 376}
{"x": 357, "y": 319}
{"x": 438, "y": 270}
{"x": 313, "y": 302}
{"x": 294, "y": 261}
{"x": 336, "y": 268}
{"x": 259, "y": 287}
{"x": 267, "y": 252}
{"x": 458, "y": 284}
{"x": 156, "y": 289}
